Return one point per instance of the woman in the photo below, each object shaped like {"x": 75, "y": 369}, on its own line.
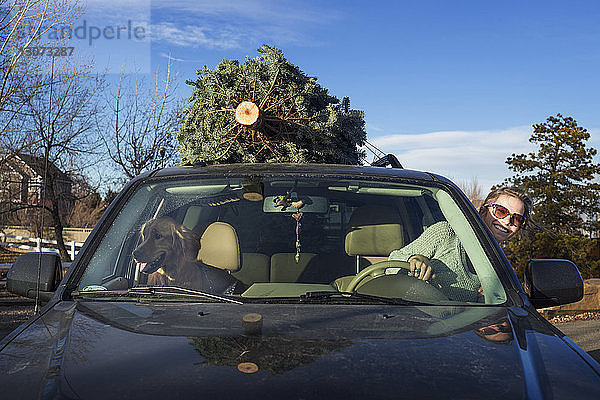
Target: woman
{"x": 438, "y": 255}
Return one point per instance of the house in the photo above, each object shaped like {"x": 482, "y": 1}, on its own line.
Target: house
{"x": 22, "y": 181}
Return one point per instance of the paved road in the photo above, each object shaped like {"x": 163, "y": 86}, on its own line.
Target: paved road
{"x": 12, "y": 316}
{"x": 585, "y": 333}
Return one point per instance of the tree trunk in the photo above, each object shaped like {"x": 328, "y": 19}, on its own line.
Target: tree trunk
{"x": 56, "y": 220}
{"x": 58, "y": 233}
{"x": 247, "y": 113}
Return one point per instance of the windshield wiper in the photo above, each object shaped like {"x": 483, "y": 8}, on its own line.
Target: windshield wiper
{"x": 157, "y": 291}
{"x": 179, "y": 291}
{"x": 308, "y": 296}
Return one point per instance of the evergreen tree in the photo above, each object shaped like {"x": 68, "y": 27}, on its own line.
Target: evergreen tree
{"x": 560, "y": 178}
{"x": 267, "y": 110}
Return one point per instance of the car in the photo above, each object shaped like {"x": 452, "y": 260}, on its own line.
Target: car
{"x": 273, "y": 281}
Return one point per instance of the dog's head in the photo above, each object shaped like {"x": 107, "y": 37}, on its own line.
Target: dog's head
{"x": 165, "y": 243}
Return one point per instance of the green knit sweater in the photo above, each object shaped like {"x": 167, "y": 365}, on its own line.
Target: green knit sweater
{"x": 448, "y": 259}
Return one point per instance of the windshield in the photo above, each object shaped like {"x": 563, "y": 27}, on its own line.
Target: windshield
{"x": 281, "y": 238}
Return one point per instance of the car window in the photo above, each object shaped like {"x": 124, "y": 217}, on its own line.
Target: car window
{"x": 260, "y": 238}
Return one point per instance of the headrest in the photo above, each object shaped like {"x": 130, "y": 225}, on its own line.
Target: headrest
{"x": 219, "y": 247}
{"x": 374, "y": 230}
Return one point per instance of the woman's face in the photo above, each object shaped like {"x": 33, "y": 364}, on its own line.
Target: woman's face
{"x": 499, "y": 332}
{"x": 502, "y": 228}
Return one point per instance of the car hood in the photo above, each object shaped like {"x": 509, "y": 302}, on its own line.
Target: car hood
{"x": 176, "y": 350}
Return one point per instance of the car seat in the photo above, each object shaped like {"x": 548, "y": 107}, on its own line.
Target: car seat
{"x": 373, "y": 232}
{"x": 219, "y": 247}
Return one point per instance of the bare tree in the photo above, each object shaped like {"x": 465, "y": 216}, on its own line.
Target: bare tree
{"x": 24, "y": 24}
{"x": 47, "y": 112}
{"x": 88, "y": 207}
{"x": 139, "y": 130}
{"x": 473, "y": 190}
{"x": 61, "y": 115}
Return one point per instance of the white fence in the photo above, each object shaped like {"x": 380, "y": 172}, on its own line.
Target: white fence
{"x": 17, "y": 242}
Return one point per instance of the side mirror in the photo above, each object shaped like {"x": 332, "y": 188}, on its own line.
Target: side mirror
{"x": 550, "y": 282}
{"x": 22, "y": 278}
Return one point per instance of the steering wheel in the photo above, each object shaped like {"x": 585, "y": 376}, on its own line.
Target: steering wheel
{"x": 408, "y": 286}
{"x": 374, "y": 271}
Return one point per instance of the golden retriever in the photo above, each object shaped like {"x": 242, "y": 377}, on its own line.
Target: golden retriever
{"x": 168, "y": 253}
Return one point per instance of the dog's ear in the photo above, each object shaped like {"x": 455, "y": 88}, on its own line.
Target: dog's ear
{"x": 190, "y": 243}
{"x": 185, "y": 242}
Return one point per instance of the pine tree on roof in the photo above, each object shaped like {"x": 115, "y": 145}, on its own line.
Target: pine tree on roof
{"x": 267, "y": 110}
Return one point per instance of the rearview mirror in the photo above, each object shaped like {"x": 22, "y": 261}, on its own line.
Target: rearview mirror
{"x": 22, "y": 278}
{"x": 307, "y": 204}
{"x": 552, "y": 282}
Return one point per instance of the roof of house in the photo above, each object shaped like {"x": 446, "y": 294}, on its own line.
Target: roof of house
{"x": 37, "y": 164}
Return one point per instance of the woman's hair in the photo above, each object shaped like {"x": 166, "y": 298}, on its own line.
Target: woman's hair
{"x": 511, "y": 191}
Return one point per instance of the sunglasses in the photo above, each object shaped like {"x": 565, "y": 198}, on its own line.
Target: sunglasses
{"x": 501, "y": 212}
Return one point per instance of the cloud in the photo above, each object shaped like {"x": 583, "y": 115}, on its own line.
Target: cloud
{"x": 238, "y": 24}
{"x": 195, "y": 36}
{"x": 278, "y": 12}
{"x": 459, "y": 155}
{"x": 224, "y": 24}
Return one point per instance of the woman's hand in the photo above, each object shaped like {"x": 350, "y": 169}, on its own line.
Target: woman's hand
{"x": 420, "y": 267}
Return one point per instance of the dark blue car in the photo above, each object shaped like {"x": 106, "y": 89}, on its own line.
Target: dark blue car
{"x": 273, "y": 281}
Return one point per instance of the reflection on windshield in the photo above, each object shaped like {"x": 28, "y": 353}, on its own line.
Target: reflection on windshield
{"x": 498, "y": 332}
{"x": 281, "y": 236}
{"x": 274, "y": 354}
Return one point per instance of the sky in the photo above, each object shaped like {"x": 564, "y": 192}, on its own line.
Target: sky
{"x": 451, "y": 87}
